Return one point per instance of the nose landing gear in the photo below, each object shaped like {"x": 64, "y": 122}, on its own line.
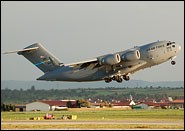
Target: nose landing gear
{"x": 173, "y": 62}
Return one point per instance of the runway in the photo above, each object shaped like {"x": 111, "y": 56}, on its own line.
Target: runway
{"x": 54, "y": 122}
{"x": 91, "y": 125}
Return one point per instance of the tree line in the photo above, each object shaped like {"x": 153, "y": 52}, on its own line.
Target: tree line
{"x": 108, "y": 94}
{"x": 7, "y": 107}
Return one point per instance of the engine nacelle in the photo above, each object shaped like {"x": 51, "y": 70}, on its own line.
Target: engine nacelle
{"x": 131, "y": 55}
{"x": 110, "y": 59}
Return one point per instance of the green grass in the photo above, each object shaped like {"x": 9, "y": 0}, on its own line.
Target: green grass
{"x": 101, "y": 114}
{"x": 97, "y": 114}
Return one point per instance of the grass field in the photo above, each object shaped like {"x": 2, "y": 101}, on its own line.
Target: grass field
{"x": 101, "y": 114}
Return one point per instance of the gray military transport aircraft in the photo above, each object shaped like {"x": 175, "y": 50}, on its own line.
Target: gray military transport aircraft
{"x": 117, "y": 66}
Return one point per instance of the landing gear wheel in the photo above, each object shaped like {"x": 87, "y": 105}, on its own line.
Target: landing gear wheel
{"x": 108, "y": 80}
{"x": 119, "y": 80}
{"x": 113, "y": 78}
{"x": 173, "y": 62}
{"x": 125, "y": 77}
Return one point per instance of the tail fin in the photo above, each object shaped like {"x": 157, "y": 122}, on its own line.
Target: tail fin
{"x": 40, "y": 57}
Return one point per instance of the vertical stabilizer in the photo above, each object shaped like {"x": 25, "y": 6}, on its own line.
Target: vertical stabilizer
{"x": 40, "y": 57}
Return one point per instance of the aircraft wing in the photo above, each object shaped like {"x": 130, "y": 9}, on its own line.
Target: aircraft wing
{"x": 83, "y": 64}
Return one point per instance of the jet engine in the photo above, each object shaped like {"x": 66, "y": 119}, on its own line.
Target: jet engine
{"x": 110, "y": 59}
{"x": 131, "y": 55}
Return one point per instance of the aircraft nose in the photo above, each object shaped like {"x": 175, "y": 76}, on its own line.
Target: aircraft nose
{"x": 179, "y": 47}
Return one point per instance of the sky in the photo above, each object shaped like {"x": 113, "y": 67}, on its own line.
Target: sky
{"x": 80, "y": 30}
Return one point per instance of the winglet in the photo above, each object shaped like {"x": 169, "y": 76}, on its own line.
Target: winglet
{"x": 24, "y": 50}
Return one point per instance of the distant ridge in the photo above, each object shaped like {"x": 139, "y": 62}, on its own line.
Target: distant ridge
{"x": 12, "y": 84}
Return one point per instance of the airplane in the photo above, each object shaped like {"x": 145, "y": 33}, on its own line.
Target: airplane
{"x": 110, "y": 67}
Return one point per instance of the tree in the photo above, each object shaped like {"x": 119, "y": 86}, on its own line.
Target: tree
{"x": 87, "y": 104}
{"x": 78, "y": 105}
{"x": 69, "y": 104}
{"x": 32, "y": 88}
{"x": 2, "y": 107}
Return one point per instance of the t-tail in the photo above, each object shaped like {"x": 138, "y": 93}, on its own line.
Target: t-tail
{"x": 40, "y": 57}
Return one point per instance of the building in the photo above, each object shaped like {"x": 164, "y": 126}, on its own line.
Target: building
{"x": 157, "y": 105}
{"x": 37, "y": 106}
{"x": 140, "y": 106}
{"x": 19, "y": 108}
{"x": 177, "y": 104}
{"x": 48, "y": 105}
{"x": 123, "y": 104}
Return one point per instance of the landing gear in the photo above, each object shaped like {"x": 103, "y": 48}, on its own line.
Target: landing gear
{"x": 125, "y": 77}
{"x": 108, "y": 80}
{"x": 117, "y": 78}
{"x": 173, "y": 62}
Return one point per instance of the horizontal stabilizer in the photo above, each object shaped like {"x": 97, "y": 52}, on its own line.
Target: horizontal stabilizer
{"x": 24, "y": 50}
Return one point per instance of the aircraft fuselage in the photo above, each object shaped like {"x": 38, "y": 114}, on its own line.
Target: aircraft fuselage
{"x": 150, "y": 55}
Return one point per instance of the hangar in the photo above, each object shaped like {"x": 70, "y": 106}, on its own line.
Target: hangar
{"x": 37, "y": 106}
{"x": 48, "y": 105}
